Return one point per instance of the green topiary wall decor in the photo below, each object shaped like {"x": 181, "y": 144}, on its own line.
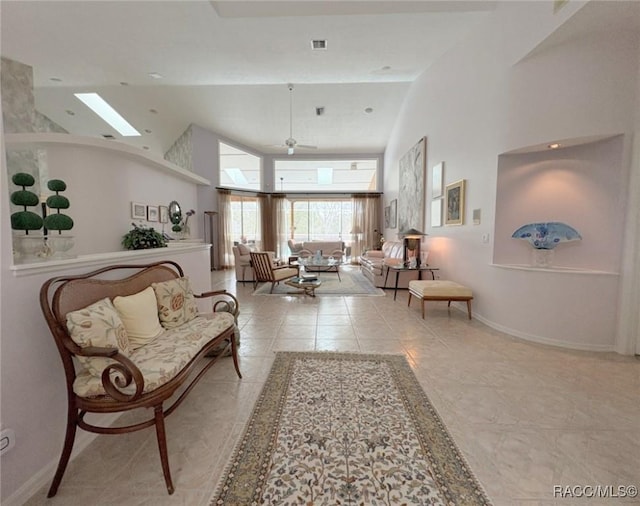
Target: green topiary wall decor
{"x": 58, "y": 221}
{"x": 25, "y": 220}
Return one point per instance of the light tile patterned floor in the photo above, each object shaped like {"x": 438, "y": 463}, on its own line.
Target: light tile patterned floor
{"x": 525, "y": 416}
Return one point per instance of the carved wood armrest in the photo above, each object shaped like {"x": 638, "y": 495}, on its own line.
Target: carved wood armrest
{"x": 232, "y": 306}
{"x": 96, "y": 351}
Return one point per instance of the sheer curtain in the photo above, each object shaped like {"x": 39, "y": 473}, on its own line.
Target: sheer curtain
{"x": 365, "y": 225}
{"x": 281, "y": 232}
{"x": 224, "y": 231}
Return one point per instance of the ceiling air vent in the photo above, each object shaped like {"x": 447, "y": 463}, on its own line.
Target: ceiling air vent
{"x": 108, "y": 136}
{"x": 319, "y": 111}
{"x": 318, "y": 44}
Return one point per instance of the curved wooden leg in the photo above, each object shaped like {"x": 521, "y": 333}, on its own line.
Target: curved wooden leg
{"x": 162, "y": 446}
{"x": 234, "y": 354}
{"x": 70, "y": 436}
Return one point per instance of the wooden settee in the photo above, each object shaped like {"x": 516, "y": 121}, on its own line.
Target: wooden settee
{"x": 127, "y": 381}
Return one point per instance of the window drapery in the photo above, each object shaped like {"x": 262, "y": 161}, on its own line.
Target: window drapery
{"x": 224, "y": 231}
{"x": 365, "y": 225}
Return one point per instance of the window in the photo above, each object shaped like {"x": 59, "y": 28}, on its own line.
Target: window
{"x": 321, "y": 220}
{"x": 245, "y": 221}
{"x": 325, "y": 175}
{"x": 239, "y": 169}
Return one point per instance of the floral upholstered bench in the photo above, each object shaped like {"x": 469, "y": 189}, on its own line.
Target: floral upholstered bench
{"x": 130, "y": 337}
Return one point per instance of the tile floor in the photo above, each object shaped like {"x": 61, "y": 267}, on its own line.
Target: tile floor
{"x": 525, "y": 416}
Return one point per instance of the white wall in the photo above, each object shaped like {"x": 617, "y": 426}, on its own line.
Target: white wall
{"x": 477, "y": 102}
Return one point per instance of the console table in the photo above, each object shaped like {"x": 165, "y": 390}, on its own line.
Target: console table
{"x": 399, "y": 269}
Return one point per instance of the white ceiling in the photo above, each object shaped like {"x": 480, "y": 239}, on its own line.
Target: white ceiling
{"x": 226, "y": 65}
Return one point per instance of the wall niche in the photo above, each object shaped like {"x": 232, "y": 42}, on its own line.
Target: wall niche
{"x": 582, "y": 183}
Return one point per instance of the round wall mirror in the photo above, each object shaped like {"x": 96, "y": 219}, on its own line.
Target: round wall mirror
{"x": 175, "y": 213}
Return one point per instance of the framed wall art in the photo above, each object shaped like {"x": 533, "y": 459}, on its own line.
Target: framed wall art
{"x": 436, "y": 212}
{"x": 454, "y": 195}
{"x": 393, "y": 213}
{"x": 412, "y": 168}
{"x": 437, "y": 175}
{"x": 138, "y": 211}
{"x": 152, "y": 213}
{"x": 387, "y": 211}
{"x": 163, "y": 214}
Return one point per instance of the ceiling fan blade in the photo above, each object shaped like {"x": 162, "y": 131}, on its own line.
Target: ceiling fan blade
{"x": 306, "y": 146}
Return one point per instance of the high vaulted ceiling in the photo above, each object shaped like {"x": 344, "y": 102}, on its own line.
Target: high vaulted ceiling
{"x": 225, "y": 65}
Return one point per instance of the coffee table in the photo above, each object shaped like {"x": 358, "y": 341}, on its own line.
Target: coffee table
{"x": 311, "y": 264}
{"x": 306, "y": 287}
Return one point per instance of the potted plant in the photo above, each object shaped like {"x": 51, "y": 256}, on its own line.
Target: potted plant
{"x": 27, "y": 246}
{"x": 59, "y": 244}
{"x": 142, "y": 237}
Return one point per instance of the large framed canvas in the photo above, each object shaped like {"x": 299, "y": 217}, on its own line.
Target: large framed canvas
{"x": 411, "y": 198}
{"x": 455, "y": 203}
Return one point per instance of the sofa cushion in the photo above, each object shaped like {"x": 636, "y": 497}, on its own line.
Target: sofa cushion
{"x": 160, "y": 360}
{"x": 176, "y": 303}
{"x": 243, "y": 249}
{"x": 98, "y": 325}
{"x": 139, "y": 313}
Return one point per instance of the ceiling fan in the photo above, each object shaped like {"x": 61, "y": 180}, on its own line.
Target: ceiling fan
{"x": 291, "y": 144}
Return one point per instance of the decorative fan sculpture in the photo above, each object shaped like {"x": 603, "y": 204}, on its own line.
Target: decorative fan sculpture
{"x": 547, "y": 235}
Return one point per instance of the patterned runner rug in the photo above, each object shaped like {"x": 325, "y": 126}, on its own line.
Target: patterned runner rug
{"x": 345, "y": 429}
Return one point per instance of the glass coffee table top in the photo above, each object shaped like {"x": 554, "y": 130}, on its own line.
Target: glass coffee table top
{"x": 307, "y": 286}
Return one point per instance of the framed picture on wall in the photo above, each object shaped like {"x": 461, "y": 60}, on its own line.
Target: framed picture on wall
{"x": 164, "y": 214}
{"x": 436, "y": 212}
{"x": 455, "y": 203}
{"x": 393, "y": 214}
{"x": 437, "y": 175}
{"x": 138, "y": 211}
{"x": 387, "y": 215}
{"x": 152, "y": 213}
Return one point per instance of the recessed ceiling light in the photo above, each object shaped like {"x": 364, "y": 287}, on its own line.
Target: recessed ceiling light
{"x": 155, "y": 75}
{"x": 555, "y": 145}
{"x": 319, "y": 111}
{"x": 147, "y": 131}
{"x": 386, "y": 67}
{"x": 319, "y": 44}
{"x": 369, "y": 110}
{"x": 70, "y": 112}
{"x": 55, "y": 79}
{"x": 124, "y": 83}
{"x": 98, "y": 105}
{"x": 153, "y": 111}
{"x": 145, "y": 147}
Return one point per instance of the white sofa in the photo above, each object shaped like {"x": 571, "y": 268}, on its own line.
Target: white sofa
{"x": 328, "y": 248}
{"x": 373, "y": 265}
{"x": 242, "y": 259}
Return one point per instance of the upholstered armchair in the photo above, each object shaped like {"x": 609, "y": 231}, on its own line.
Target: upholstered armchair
{"x": 244, "y": 271}
{"x": 265, "y": 271}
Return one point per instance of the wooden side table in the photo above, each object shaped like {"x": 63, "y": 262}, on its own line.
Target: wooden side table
{"x": 398, "y": 270}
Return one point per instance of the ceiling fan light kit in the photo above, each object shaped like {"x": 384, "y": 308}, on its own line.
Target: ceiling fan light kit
{"x": 291, "y": 144}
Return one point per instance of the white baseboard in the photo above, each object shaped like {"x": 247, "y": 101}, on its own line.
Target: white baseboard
{"x": 44, "y": 476}
{"x": 533, "y": 338}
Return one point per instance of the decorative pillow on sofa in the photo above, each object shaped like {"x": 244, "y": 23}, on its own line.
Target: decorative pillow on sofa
{"x": 176, "y": 303}
{"x": 98, "y": 325}
{"x": 243, "y": 249}
{"x": 139, "y": 313}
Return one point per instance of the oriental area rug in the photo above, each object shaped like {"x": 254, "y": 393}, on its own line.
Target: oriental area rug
{"x": 345, "y": 429}
{"x": 351, "y": 282}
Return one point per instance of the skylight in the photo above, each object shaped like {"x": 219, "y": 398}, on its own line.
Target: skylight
{"x": 98, "y": 105}
{"x": 325, "y": 175}
{"x": 236, "y": 176}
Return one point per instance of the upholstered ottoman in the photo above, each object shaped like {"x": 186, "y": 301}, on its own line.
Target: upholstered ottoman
{"x": 440, "y": 290}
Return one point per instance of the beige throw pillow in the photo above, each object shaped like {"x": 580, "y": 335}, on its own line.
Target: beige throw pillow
{"x": 139, "y": 313}
{"x": 243, "y": 249}
{"x": 176, "y": 303}
{"x": 98, "y": 325}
